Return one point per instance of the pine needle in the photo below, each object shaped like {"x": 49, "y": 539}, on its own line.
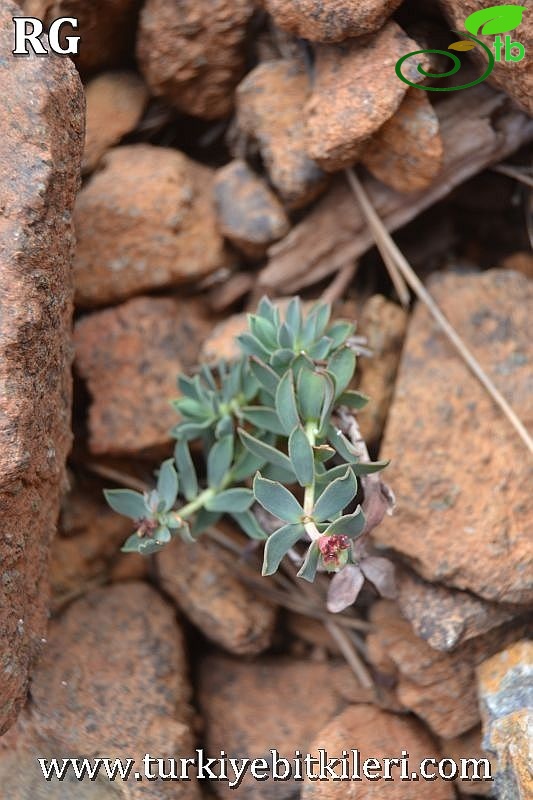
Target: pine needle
{"x": 390, "y": 252}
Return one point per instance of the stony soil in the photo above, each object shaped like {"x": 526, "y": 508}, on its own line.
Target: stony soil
{"x": 216, "y": 138}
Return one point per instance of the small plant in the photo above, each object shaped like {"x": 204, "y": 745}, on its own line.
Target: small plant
{"x": 266, "y": 426}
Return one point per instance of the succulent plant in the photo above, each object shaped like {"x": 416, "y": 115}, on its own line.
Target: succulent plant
{"x": 266, "y": 428}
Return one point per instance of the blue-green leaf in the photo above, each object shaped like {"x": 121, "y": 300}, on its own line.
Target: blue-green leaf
{"x": 286, "y": 337}
{"x": 231, "y": 501}
{"x": 310, "y": 394}
{"x": 268, "y": 310}
{"x": 250, "y": 525}
{"x": 351, "y": 525}
{"x": 308, "y": 569}
{"x": 339, "y": 332}
{"x": 167, "y": 484}
{"x": 278, "y": 545}
{"x": 276, "y": 499}
{"x": 327, "y": 405}
{"x": 352, "y": 399}
{"x": 301, "y": 455}
{"x": 252, "y": 346}
{"x": 265, "y": 451}
{"x": 162, "y": 535}
{"x": 219, "y": 461}
{"x": 127, "y": 502}
{"x": 286, "y": 403}
{"x": 336, "y": 497}
{"x": 191, "y": 430}
{"x": 204, "y": 519}
{"x": 342, "y": 366}
{"x": 293, "y": 318}
{"x": 264, "y": 331}
{"x": 245, "y": 465}
{"x": 319, "y": 350}
{"x": 187, "y": 471}
{"x": 282, "y": 358}
{"x": 265, "y": 375}
{"x": 263, "y": 418}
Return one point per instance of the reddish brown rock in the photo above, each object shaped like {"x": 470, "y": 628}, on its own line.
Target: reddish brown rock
{"x": 384, "y": 324}
{"x": 249, "y": 213}
{"x": 445, "y": 617}
{"x": 459, "y": 471}
{"x": 130, "y": 357}
{"x": 506, "y": 696}
{"x": 355, "y": 92}
{"x": 406, "y": 153}
{"x": 330, "y": 20}
{"x": 221, "y": 342}
{"x": 106, "y": 27}
{"x": 113, "y": 681}
{"x": 41, "y": 140}
{"x": 90, "y": 537}
{"x": 375, "y": 734}
{"x": 210, "y": 594}
{"x": 439, "y": 687}
{"x": 513, "y": 78}
{"x": 270, "y": 109}
{"x": 468, "y": 746}
{"x": 235, "y": 696}
{"x": 144, "y": 221}
{"x": 520, "y": 262}
{"x": 192, "y": 52}
{"x": 115, "y": 104}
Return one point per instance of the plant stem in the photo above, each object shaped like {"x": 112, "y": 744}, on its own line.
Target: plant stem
{"x": 309, "y": 494}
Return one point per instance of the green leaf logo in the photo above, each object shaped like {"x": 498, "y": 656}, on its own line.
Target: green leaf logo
{"x": 493, "y": 20}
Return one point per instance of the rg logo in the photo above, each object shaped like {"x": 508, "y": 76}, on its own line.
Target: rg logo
{"x": 28, "y": 31}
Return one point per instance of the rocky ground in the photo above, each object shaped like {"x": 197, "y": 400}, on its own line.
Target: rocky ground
{"x": 217, "y": 132}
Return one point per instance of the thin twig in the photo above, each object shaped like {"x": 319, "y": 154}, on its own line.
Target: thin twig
{"x": 339, "y": 284}
{"x": 514, "y": 172}
{"x": 386, "y": 243}
{"x": 350, "y": 654}
{"x": 115, "y": 475}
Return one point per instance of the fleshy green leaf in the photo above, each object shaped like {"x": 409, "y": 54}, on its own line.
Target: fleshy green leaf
{"x": 336, "y": 497}
{"x": 264, "y": 331}
{"x": 268, "y": 310}
{"x": 191, "y": 430}
{"x": 327, "y": 405}
{"x": 308, "y": 569}
{"x": 286, "y": 403}
{"x": 187, "y": 471}
{"x": 252, "y": 346}
{"x": 250, "y": 525}
{"x": 264, "y": 418}
{"x": 265, "y": 375}
{"x": 301, "y": 455}
{"x": 286, "y": 337}
{"x": 282, "y": 358}
{"x": 351, "y": 525}
{"x": 276, "y": 499}
{"x": 162, "y": 535}
{"x": 204, "y": 519}
{"x": 219, "y": 461}
{"x": 496, "y": 19}
{"x": 231, "y": 501}
{"x": 352, "y": 399}
{"x": 167, "y": 484}
{"x": 369, "y": 468}
{"x": 224, "y": 427}
{"x": 278, "y": 545}
{"x": 339, "y": 332}
{"x": 342, "y": 366}
{"x": 127, "y": 502}
{"x": 319, "y": 350}
{"x": 310, "y": 394}
{"x": 265, "y": 451}
{"x": 293, "y": 317}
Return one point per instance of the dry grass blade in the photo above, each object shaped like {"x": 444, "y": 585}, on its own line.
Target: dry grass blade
{"x": 386, "y": 244}
{"x": 115, "y": 475}
{"x": 521, "y": 175}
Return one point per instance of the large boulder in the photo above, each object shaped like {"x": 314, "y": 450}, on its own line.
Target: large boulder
{"x": 460, "y": 473}
{"x": 41, "y": 140}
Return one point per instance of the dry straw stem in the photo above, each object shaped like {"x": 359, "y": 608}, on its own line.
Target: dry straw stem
{"x": 391, "y": 252}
